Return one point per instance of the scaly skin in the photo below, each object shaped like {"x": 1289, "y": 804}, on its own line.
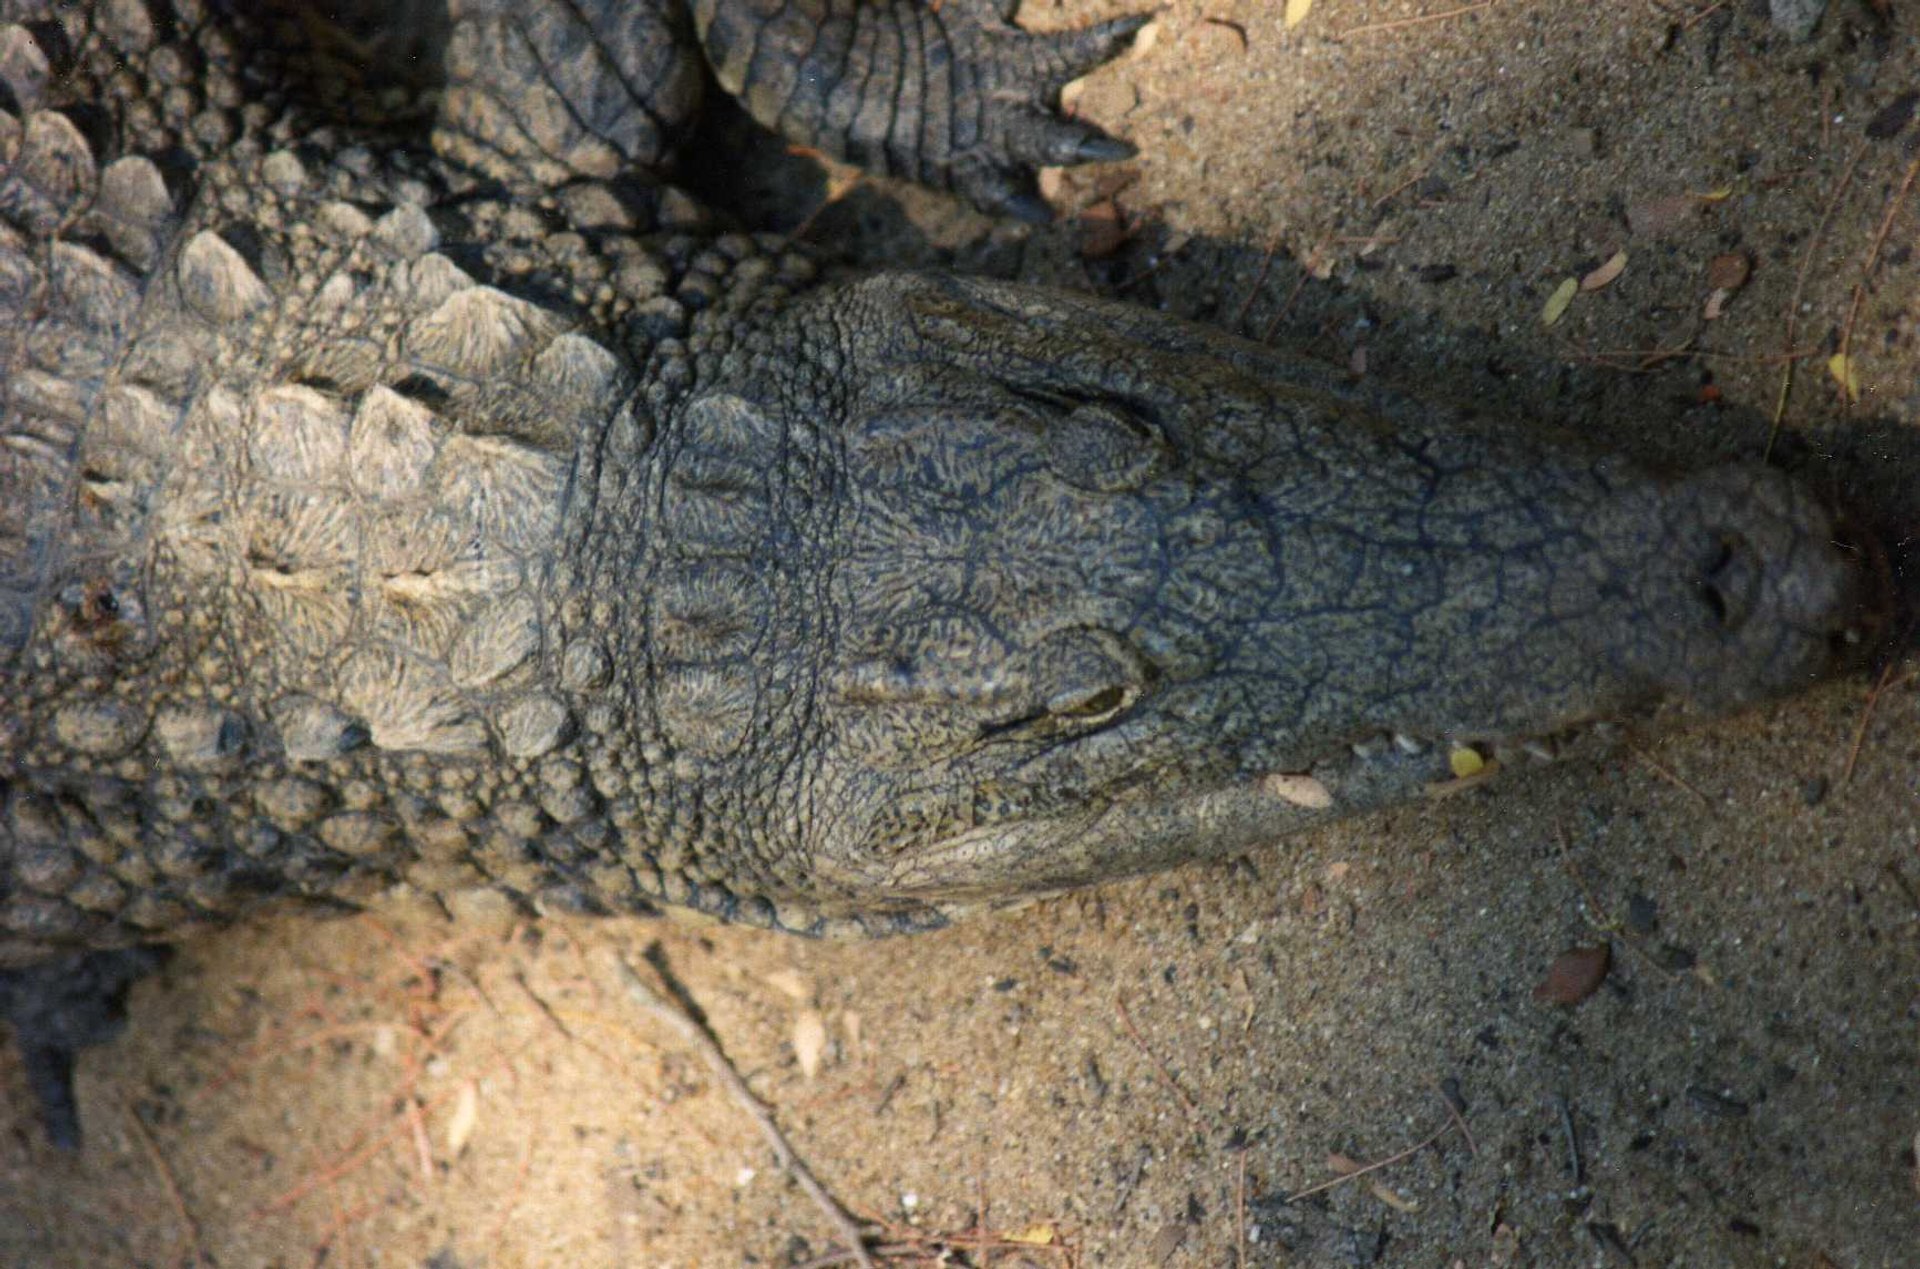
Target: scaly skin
{"x": 468, "y": 514}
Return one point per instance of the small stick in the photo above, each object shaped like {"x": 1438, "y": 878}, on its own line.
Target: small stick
{"x": 1574, "y": 1163}
{"x": 1240, "y": 1212}
{"x": 1389, "y": 1161}
{"x": 1799, "y": 285}
{"x": 1260, "y": 280}
{"x": 1866, "y": 717}
{"x": 190, "y": 1228}
{"x": 1704, "y": 14}
{"x": 513, "y": 1195}
{"x": 1672, "y": 777}
{"x": 701, "y": 1040}
{"x": 1166, "y": 1075}
{"x": 1373, "y": 28}
{"x": 1459, "y": 1120}
{"x": 1873, "y": 255}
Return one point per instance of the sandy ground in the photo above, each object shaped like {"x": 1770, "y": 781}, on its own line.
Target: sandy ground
{"x": 1142, "y": 1075}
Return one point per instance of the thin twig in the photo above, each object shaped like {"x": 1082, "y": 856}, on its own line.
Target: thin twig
{"x": 190, "y": 1228}
{"x": 1574, "y": 1163}
{"x": 1240, "y": 1212}
{"x": 700, "y": 1039}
{"x": 1704, "y": 14}
{"x": 1866, "y": 717}
{"x": 1166, "y": 1076}
{"x": 1375, "y": 1166}
{"x": 513, "y": 1195}
{"x": 1259, "y": 281}
{"x": 1374, "y": 28}
{"x": 1459, "y": 1120}
{"x": 1799, "y": 285}
{"x": 1873, "y": 258}
{"x": 1598, "y": 916}
{"x": 1671, "y": 776}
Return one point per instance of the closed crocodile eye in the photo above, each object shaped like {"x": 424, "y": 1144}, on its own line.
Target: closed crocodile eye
{"x": 1091, "y": 703}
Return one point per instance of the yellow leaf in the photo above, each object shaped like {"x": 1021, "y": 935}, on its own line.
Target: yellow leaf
{"x": 1297, "y": 11}
{"x": 1557, "y": 303}
{"x": 1720, "y": 195}
{"x": 1616, "y": 265}
{"x": 1846, "y": 374}
{"x": 1035, "y": 1236}
{"x": 1466, "y": 762}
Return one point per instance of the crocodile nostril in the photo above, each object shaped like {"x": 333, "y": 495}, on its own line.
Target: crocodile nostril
{"x": 1730, "y": 583}
{"x": 1715, "y": 601}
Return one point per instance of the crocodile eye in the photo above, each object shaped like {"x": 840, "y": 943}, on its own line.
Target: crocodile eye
{"x": 1092, "y": 704}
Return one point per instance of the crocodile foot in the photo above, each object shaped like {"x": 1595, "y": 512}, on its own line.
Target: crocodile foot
{"x": 951, "y": 94}
{"x": 59, "y": 1007}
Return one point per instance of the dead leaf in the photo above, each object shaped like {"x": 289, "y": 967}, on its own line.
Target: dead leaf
{"x": 466, "y": 1115}
{"x": 1297, "y": 11}
{"x": 1558, "y": 301}
{"x": 1658, "y": 216}
{"x": 1716, "y": 305}
{"x": 1720, "y": 195}
{"x": 1615, "y": 265}
{"x": 1300, "y": 790}
{"x": 1035, "y": 1236}
{"x": 1397, "y": 1202}
{"x": 809, "y": 1040}
{"x": 1342, "y": 1165}
{"x": 1574, "y": 975}
{"x": 1846, "y": 373}
{"x": 1103, "y": 230}
{"x": 1729, "y": 271}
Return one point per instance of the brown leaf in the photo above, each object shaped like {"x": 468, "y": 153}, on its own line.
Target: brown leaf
{"x": 1615, "y": 265}
{"x": 1574, "y": 975}
{"x": 1343, "y": 1165}
{"x": 1658, "y": 216}
{"x": 1103, "y": 230}
{"x": 1729, "y": 271}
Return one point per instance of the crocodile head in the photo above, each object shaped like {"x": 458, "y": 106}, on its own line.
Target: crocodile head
{"x": 1007, "y": 591}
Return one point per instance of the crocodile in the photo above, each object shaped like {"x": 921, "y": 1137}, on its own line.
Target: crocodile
{"x": 404, "y": 481}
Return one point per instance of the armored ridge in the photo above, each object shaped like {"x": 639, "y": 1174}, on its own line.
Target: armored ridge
{"x": 439, "y": 498}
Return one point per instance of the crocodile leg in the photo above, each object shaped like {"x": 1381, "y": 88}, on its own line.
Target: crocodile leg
{"x": 951, "y": 95}
{"x": 56, "y": 1009}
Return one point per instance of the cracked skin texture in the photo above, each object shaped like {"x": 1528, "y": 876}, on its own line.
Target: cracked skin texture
{"x": 444, "y": 498}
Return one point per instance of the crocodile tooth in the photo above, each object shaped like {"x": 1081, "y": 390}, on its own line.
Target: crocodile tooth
{"x": 1370, "y": 748}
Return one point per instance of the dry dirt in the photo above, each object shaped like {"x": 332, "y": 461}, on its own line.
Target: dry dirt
{"x": 1142, "y": 1075}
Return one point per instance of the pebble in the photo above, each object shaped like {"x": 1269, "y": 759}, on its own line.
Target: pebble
{"x": 1798, "y": 17}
